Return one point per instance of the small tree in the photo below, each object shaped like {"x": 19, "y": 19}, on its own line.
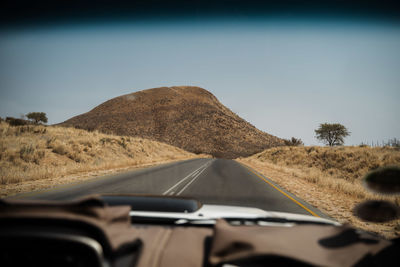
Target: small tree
{"x": 332, "y": 134}
{"x": 37, "y": 117}
{"x": 293, "y": 142}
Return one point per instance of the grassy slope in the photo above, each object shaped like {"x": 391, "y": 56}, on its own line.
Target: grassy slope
{"x": 29, "y": 153}
{"x": 329, "y": 178}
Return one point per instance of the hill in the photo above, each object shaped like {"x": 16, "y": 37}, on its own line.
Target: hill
{"x": 187, "y": 117}
{"x": 35, "y": 156}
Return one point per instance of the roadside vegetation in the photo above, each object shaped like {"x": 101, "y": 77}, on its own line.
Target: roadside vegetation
{"x": 38, "y": 156}
{"x": 330, "y": 178}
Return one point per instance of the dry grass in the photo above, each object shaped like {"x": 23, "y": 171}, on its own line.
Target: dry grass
{"x": 32, "y": 153}
{"x": 329, "y": 178}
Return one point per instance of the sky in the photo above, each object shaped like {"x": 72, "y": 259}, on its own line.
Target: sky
{"x": 283, "y": 76}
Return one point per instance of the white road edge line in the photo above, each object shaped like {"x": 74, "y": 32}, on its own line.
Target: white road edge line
{"x": 187, "y": 185}
{"x": 184, "y": 179}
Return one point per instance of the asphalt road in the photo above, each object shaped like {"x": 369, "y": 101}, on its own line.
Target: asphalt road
{"x": 211, "y": 181}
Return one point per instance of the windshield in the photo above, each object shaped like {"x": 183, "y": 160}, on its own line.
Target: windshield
{"x": 282, "y": 106}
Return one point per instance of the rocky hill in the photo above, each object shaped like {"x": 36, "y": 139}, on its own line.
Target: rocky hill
{"x": 186, "y": 117}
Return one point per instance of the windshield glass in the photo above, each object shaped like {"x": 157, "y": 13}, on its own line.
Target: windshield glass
{"x": 276, "y": 106}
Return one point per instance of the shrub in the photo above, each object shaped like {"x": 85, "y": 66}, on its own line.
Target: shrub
{"x": 75, "y": 156}
{"x": 293, "y": 142}
{"x": 105, "y": 140}
{"x": 29, "y": 154}
{"x": 25, "y": 152}
{"x": 122, "y": 143}
{"x": 38, "y": 156}
{"x": 59, "y": 149}
{"x": 49, "y": 142}
{"x": 16, "y": 122}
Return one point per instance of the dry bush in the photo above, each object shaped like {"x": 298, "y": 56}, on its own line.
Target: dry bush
{"x": 59, "y": 149}
{"x": 16, "y": 122}
{"x": 293, "y": 142}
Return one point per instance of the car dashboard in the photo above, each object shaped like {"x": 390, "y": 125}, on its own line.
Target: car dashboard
{"x": 167, "y": 231}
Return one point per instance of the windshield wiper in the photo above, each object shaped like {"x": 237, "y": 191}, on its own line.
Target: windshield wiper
{"x": 268, "y": 220}
{"x": 261, "y": 221}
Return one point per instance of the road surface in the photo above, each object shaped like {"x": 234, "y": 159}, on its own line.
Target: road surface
{"x": 211, "y": 181}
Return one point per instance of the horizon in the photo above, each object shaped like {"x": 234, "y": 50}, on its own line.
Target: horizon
{"x": 285, "y": 77}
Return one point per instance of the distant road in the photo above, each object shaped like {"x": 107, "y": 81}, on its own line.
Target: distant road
{"x": 211, "y": 181}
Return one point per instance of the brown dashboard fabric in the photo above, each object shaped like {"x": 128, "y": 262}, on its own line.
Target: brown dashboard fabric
{"x": 114, "y": 222}
{"x": 165, "y": 246}
{"x": 160, "y": 245}
{"x": 320, "y": 245}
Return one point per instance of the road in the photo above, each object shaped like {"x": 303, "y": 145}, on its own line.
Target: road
{"x": 211, "y": 181}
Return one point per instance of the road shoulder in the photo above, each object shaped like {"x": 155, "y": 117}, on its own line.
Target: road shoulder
{"x": 301, "y": 203}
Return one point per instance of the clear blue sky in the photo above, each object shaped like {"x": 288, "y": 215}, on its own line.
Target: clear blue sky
{"x": 284, "y": 77}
